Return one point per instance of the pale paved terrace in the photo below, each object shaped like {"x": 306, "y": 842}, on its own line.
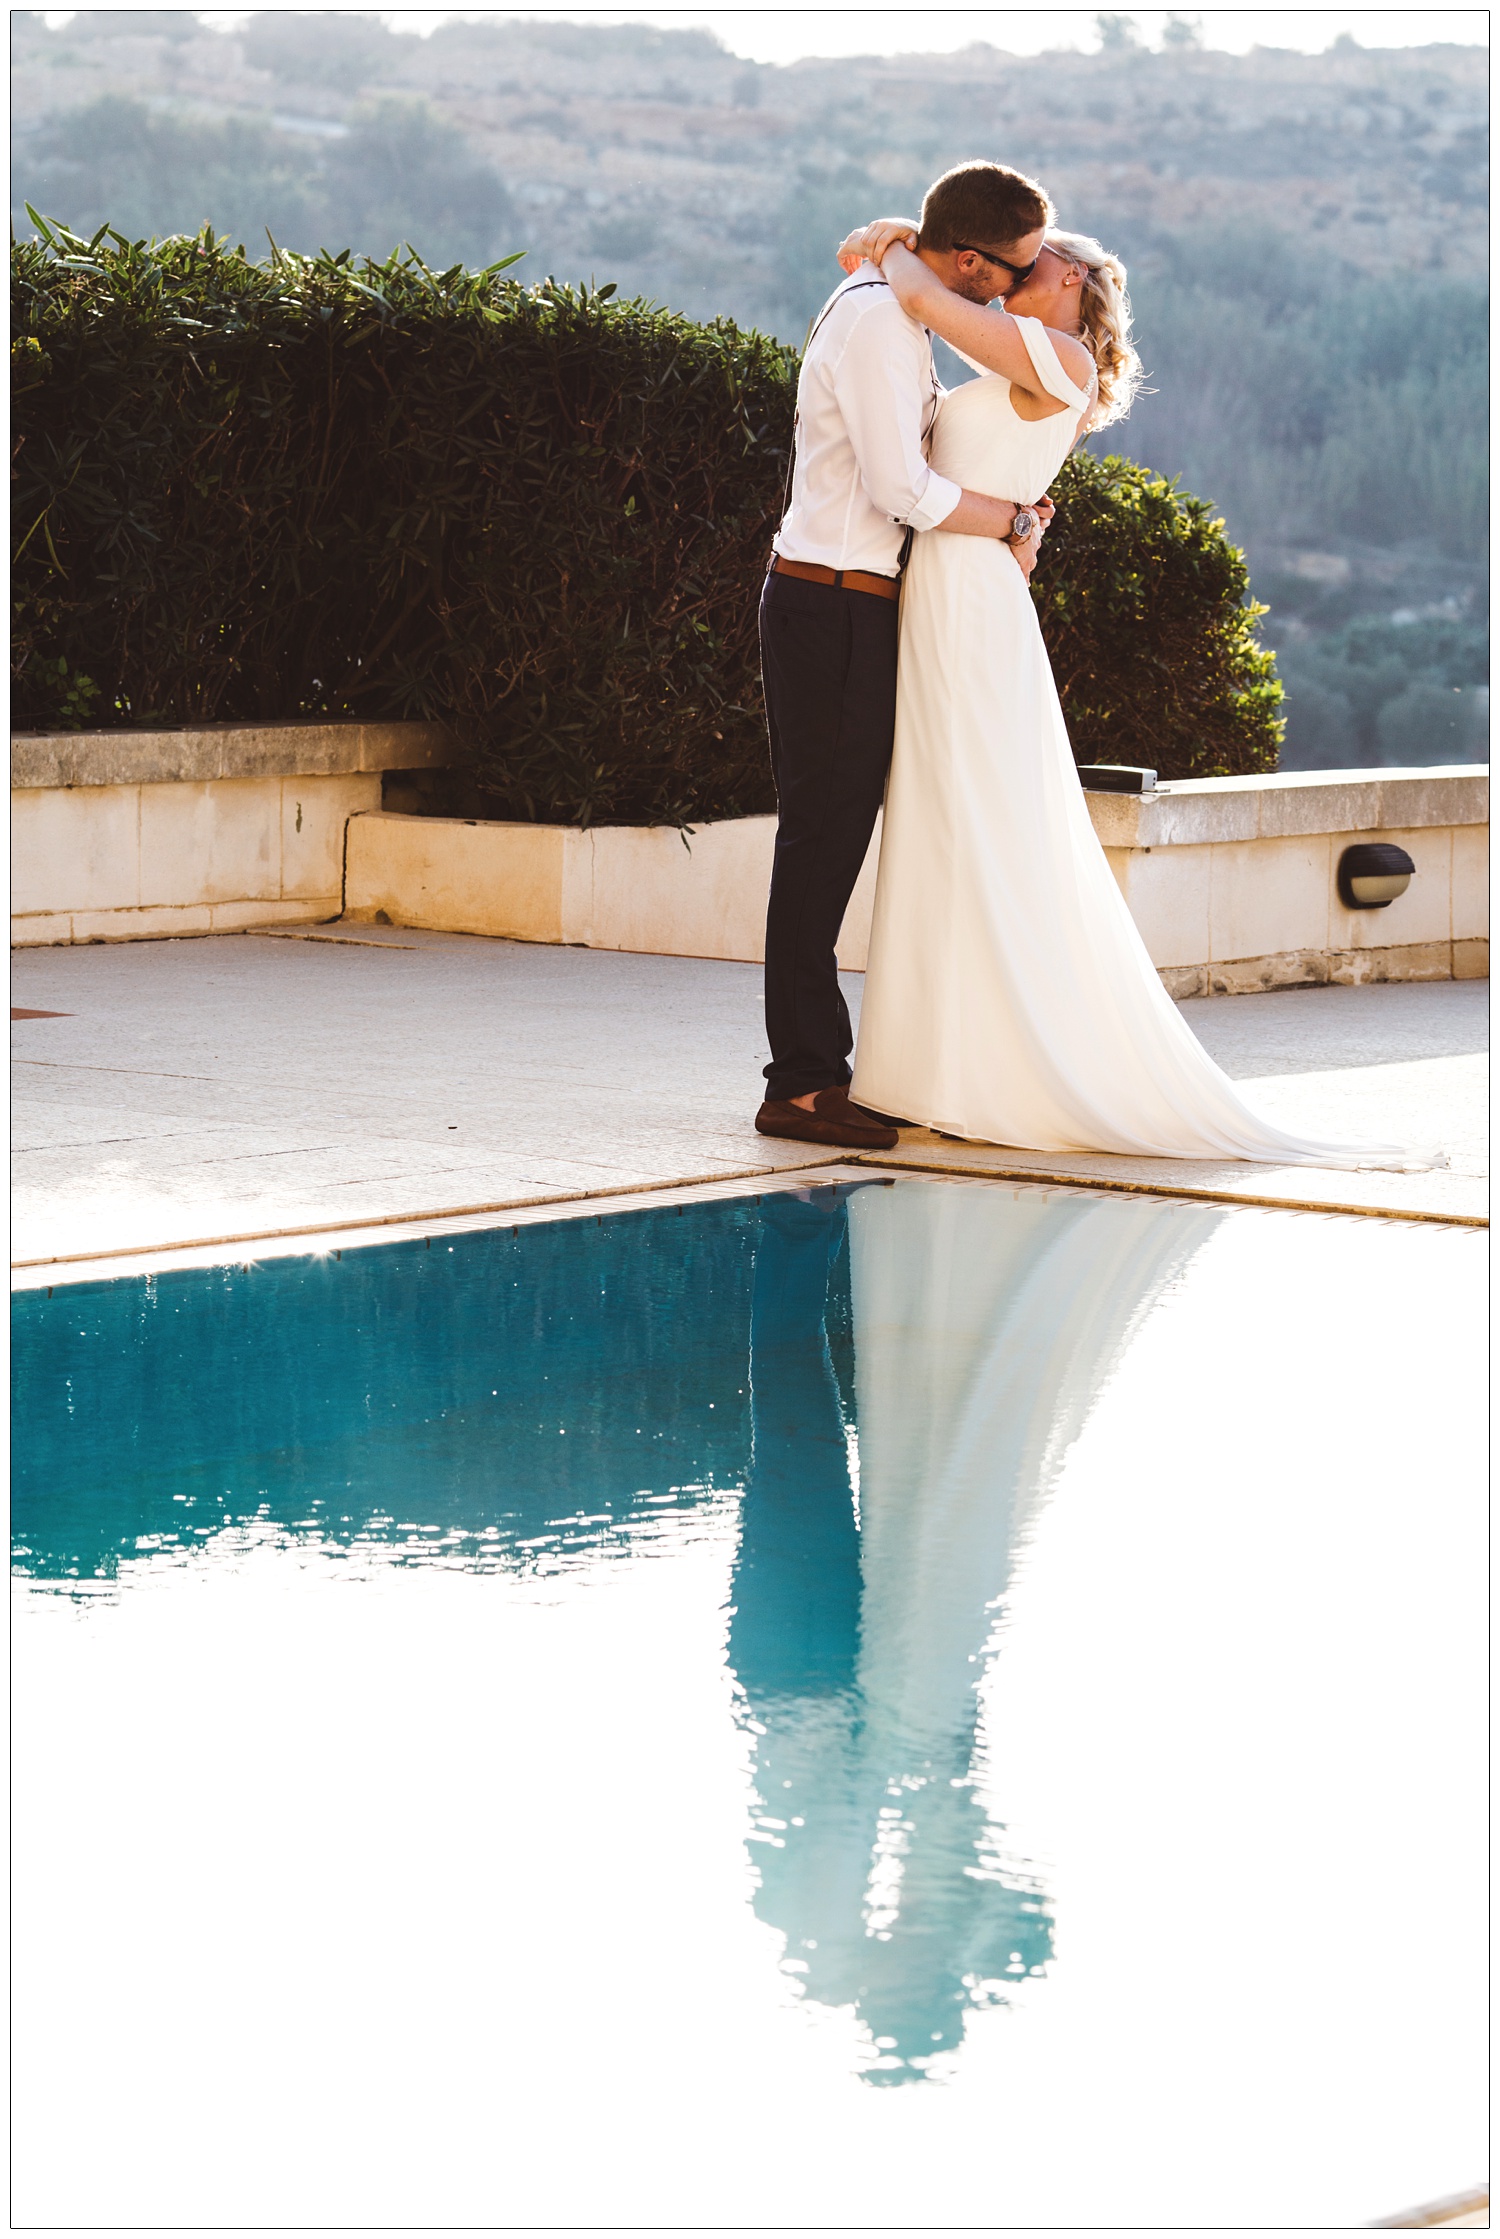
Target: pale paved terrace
{"x": 248, "y": 1085}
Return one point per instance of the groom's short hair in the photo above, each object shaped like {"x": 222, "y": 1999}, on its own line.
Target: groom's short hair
{"x": 984, "y": 203}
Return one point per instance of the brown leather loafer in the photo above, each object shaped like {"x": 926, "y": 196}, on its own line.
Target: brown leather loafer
{"x": 832, "y": 1119}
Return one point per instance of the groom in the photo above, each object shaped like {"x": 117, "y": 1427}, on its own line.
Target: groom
{"x": 860, "y": 487}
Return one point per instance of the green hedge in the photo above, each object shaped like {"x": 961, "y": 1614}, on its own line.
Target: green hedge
{"x": 314, "y": 487}
{"x": 1146, "y": 609}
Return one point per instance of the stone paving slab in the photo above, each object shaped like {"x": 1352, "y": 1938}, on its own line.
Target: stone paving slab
{"x": 230, "y": 1088}
{"x": 249, "y": 1085}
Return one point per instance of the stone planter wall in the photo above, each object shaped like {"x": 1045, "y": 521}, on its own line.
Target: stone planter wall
{"x": 1231, "y": 880}
{"x": 135, "y": 835}
{"x": 655, "y": 890}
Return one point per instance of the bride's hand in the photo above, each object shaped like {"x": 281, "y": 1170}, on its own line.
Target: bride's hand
{"x": 1026, "y": 553}
{"x": 872, "y": 241}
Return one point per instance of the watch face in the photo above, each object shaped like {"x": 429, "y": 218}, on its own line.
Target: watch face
{"x": 1025, "y": 522}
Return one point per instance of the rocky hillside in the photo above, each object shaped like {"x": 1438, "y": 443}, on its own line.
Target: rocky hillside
{"x": 688, "y": 174}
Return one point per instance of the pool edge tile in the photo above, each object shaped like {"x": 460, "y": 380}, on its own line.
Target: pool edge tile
{"x": 242, "y": 1249}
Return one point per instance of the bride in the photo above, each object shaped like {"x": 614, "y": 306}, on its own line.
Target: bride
{"x": 1009, "y": 997}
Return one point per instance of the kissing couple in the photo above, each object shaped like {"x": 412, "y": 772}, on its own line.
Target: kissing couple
{"x": 1009, "y": 997}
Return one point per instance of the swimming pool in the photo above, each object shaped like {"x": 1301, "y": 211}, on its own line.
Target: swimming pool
{"x": 904, "y": 1701}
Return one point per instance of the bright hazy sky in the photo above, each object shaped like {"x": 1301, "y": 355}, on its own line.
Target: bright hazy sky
{"x": 786, "y": 34}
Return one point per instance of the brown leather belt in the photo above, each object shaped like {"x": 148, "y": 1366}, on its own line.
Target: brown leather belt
{"x": 838, "y": 579}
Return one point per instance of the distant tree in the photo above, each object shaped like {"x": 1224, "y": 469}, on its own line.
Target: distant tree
{"x": 1182, "y": 31}
{"x": 1320, "y": 729}
{"x": 1378, "y": 692}
{"x": 821, "y": 204}
{"x": 403, "y": 175}
{"x": 1331, "y": 414}
{"x": 1117, "y": 32}
{"x": 175, "y": 24}
{"x": 146, "y": 171}
{"x": 320, "y": 47}
{"x": 1431, "y": 722}
{"x": 399, "y": 174}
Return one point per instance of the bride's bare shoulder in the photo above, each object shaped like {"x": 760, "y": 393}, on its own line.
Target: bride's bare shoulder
{"x": 1075, "y": 359}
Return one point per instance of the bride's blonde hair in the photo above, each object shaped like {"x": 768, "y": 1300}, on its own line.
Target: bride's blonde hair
{"x": 1105, "y": 315}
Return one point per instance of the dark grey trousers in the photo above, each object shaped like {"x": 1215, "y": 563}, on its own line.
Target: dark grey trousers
{"x": 828, "y": 661}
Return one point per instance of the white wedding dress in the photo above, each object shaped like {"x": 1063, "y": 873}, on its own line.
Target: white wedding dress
{"x": 1009, "y": 998}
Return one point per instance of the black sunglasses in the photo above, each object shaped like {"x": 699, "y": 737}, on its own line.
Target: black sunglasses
{"x": 1017, "y": 271}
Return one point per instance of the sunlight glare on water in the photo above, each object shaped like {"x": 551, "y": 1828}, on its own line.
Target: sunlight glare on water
{"x": 905, "y": 1703}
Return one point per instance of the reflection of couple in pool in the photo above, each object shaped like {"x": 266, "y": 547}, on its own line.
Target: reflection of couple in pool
{"x": 872, "y": 1571}
{"x": 965, "y": 1329}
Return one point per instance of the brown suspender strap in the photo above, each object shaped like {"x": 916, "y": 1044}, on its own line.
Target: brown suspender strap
{"x": 819, "y": 575}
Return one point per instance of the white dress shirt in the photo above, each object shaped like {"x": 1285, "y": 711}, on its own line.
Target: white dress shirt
{"x": 866, "y": 399}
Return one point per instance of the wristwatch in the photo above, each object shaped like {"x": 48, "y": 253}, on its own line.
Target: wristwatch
{"x": 1025, "y": 524}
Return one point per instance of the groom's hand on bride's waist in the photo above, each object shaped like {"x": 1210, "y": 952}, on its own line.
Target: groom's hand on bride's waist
{"x": 1027, "y": 548}
{"x": 977, "y": 514}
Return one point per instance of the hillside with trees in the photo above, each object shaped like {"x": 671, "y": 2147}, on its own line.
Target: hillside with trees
{"x": 1305, "y": 236}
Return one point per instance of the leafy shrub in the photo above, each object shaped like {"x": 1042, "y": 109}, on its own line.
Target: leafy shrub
{"x": 1146, "y": 611}
{"x": 309, "y": 488}
{"x": 293, "y": 489}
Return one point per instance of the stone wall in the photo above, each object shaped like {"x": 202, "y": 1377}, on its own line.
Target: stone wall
{"x": 1231, "y": 880}
{"x": 135, "y": 835}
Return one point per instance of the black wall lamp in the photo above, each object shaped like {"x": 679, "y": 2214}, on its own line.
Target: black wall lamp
{"x": 1373, "y": 874}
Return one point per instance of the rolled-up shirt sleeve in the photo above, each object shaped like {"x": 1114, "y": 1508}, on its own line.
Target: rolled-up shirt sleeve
{"x": 881, "y": 391}
{"x": 939, "y": 497}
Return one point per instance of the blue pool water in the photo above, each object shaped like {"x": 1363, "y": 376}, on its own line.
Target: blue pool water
{"x": 899, "y": 1701}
